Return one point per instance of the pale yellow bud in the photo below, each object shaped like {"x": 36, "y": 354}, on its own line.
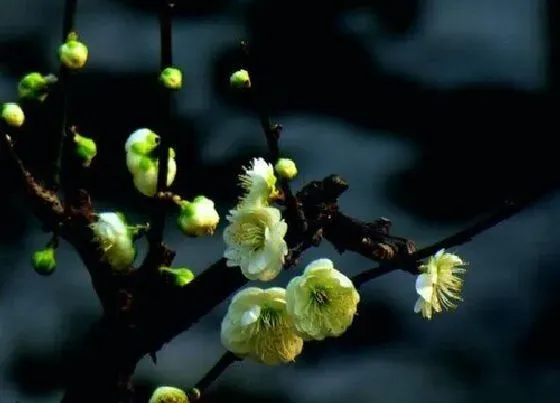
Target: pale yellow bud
{"x": 12, "y": 114}
{"x": 73, "y": 53}
{"x": 286, "y": 168}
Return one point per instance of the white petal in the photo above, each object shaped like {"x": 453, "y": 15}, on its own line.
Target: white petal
{"x": 424, "y": 286}
{"x": 250, "y": 316}
{"x": 419, "y": 304}
{"x": 138, "y": 136}
{"x": 318, "y": 264}
{"x": 257, "y": 263}
{"x": 342, "y": 279}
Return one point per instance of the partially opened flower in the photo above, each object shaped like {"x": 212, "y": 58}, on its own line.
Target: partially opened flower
{"x": 199, "y": 217}
{"x": 259, "y": 182}
{"x": 255, "y": 241}
{"x": 139, "y": 147}
{"x": 439, "y": 286}
{"x": 258, "y": 326}
{"x": 112, "y": 233}
{"x": 322, "y": 301}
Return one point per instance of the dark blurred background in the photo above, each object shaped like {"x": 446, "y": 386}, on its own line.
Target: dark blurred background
{"x": 435, "y": 111}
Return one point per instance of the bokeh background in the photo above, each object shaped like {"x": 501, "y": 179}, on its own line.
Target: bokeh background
{"x": 434, "y": 111}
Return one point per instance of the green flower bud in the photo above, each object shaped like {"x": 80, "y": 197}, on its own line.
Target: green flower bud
{"x": 12, "y": 114}
{"x": 73, "y": 53}
{"x": 35, "y": 86}
{"x": 240, "y": 79}
{"x": 198, "y": 218}
{"x": 44, "y": 261}
{"x": 286, "y": 168}
{"x": 168, "y": 394}
{"x": 181, "y": 276}
{"x": 141, "y": 141}
{"x": 172, "y": 78}
{"x": 86, "y": 148}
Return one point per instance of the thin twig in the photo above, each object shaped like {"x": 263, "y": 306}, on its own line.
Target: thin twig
{"x": 166, "y": 105}
{"x": 217, "y": 369}
{"x": 410, "y": 263}
{"x": 65, "y": 83}
{"x": 272, "y": 132}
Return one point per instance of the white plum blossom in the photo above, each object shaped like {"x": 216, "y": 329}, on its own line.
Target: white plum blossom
{"x": 255, "y": 241}
{"x": 258, "y": 326}
{"x": 322, "y": 301}
{"x": 439, "y": 286}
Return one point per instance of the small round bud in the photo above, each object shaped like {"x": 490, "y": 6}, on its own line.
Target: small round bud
{"x": 240, "y": 79}
{"x": 73, "y": 53}
{"x": 172, "y": 78}
{"x": 286, "y": 168}
{"x": 85, "y": 148}
{"x": 12, "y": 114}
{"x": 198, "y": 218}
{"x": 168, "y": 394}
{"x": 44, "y": 261}
{"x": 181, "y": 276}
{"x": 35, "y": 86}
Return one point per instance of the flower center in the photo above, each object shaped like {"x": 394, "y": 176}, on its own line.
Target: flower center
{"x": 251, "y": 234}
{"x": 319, "y": 296}
{"x": 269, "y": 317}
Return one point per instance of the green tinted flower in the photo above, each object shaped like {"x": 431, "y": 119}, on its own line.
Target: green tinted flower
{"x": 258, "y": 326}
{"x": 198, "y": 218}
{"x": 322, "y": 301}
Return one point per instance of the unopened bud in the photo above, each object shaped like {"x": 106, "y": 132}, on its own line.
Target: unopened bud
{"x": 85, "y": 148}
{"x": 73, "y": 53}
{"x": 168, "y": 394}
{"x": 286, "y": 168}
{"x": 44, "y": 261}
{"x": 172, "y": 78}
{"x": 35, "y": 86}
{"x": 181, "y": 275}
{"x": 240, "y": 79}
{"x": 12, "y": 114}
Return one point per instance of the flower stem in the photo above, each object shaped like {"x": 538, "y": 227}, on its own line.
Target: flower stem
{"x": 166, "y": 105}
{"x": 214, "y": 373}
{"x": 65, "y": 85}
{"x": 272, "y": 133}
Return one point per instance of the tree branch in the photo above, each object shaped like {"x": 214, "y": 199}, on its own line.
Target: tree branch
{"x": 166, "y": 109}
{"x": 225, "y": 361}
{"x": 411, "y": 263}
{"x": 64, "y": 86}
